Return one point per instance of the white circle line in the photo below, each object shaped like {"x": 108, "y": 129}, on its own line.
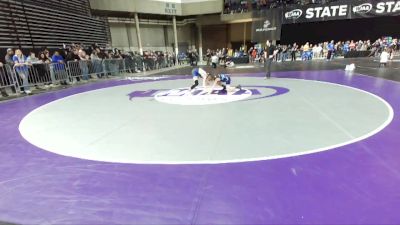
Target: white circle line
{"x": 208, "y": 162}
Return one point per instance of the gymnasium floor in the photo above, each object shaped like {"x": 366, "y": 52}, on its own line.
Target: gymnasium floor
{"x": 312, "y": 145}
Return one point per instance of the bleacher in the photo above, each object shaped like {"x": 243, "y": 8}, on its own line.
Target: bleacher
{"x": 36, "y": 24}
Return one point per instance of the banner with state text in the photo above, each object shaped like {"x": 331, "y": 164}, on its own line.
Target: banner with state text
{"x": 351, "y": 9}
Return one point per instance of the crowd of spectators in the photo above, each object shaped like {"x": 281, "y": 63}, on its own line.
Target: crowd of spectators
{"x": 45, "y": 62}
{"x": 305, "y": 52}
{"x": 38, "y": 67}
{"x": 222, "y": 56}
{"x": 327, "y": 50}
{"x": 241, "y": 6}
{"x": 191, "y": 57}
{"x": 155, "y": 59}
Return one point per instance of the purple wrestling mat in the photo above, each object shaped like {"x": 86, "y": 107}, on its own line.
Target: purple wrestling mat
{"x": 355, "y": 184}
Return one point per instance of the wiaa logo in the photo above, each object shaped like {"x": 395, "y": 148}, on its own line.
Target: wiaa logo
{"x": 294, "y": 14}
{"x": 364, "y": 8}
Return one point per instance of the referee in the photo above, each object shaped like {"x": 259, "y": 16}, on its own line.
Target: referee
{"x": 269, "y": 54}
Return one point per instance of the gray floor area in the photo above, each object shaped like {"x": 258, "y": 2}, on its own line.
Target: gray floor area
{"x": 105, "y": 125}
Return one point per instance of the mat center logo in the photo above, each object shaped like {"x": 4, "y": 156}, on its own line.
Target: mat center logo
{"x": 201, "y": 96}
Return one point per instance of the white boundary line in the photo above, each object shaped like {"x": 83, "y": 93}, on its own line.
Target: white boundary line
{"x": 377, "y": 130}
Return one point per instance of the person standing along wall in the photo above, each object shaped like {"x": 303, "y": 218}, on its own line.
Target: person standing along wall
{"x": 331, "y": 50}
{"x": 384, "y": 58}
{"x": 58, "y": 68}
{"x": 83, "y": 64}
{"x": 294, "y": 52}
{"x": 45, "y": 68}
{"x": 40, "y": 78}
{"x": 214, "y": 60}
{"x": 208, "y": 57}
{"x": 22, "y": 69}
{"x": 284, "y": 53}
{"x": 3, "y": 80}
{"x": 9, "y": 61}
{"x": 73, "y": 55}
{"x": 96, "y": 62}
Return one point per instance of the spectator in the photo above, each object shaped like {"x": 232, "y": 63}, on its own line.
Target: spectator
{"x": 364, "y": 46}
{"x": 346, "y": 47}
{"x": 331, "y": 50}
{"x": 231, "y": 53}
{"x": 43, "y": 67}
{"x": 9, "y": 62}
{"x": 101, "y": 54}
{"x": 43, "y": 58}
{"x": 384, "y": 58}
{"x": 22, "y": 69}
{"x": 32, "y": 58}
{"x": 9, "y": 57}
{"x": 284, "y": 53}
{"x": 254, "y": 55}
{"x": 315, "y": 51}
{"x": 3, "y": 80}
{"x": 96, "y": 62}
{"x": 59, "y": 67}
{"x": 392, "y": 48}
{"x": 47, "y": 53}
{"x": 83, "y": 64}
{"x": 214, "y": 60}
{"x": 208, "y": 57}
{"x": 72, "y": 56}
{"x": 181, "y": 58}
{"x": 294, "y": 51}
{"x": 306, "y": 52}
{"x": 57, "y": 58}
{"x": 40, "y": 77}
{"x": 352, "y": 46}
